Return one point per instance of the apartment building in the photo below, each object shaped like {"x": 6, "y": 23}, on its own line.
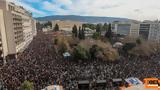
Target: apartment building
{"x": 17, "y": 28}
{"x": 126, "y": 28}
{"x": 4, "y": 47}
{"x": 150, "y": 31}
{"x": 146, "y": 30}
{"x": 34, "y": 28}
{"x": 66, "y": 25}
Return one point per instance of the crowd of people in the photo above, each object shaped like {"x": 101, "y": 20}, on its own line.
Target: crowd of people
{"x": 43, "y": 66}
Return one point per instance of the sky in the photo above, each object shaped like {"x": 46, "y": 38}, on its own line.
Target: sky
{"x": 132, "y": 9}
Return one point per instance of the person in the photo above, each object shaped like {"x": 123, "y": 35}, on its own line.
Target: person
{"x": 41, "y": 64}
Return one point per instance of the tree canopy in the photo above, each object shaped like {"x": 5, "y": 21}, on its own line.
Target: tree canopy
{"x": 109, "y": 33}
{"x": 75, "y": 31}
{"x": 56, "y": 28}
{"x": 96, "y": 35}
{"x": 99, "y": 28}
{"x": 26, "y": 85}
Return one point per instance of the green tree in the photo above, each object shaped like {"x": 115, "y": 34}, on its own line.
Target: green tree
{"x": 56, "y": 28}
{"x": 80, "y": 53}
{"x": 105, "y": 27}
{"x": 109, "y": 33}
{"x": 80, "y": 36}
{"x": 94, "y": 51}
{"x": 62, "y": 48}
{"x": 98, "y": 28}
{"x": 83, "y": 33}
{"x": 48, "y": 24}
{"x": 91, "y": 26}
{"x": 128, "y": 46}
{"x": 26, "y": 85}
{"x": 39, "y": 26}
{"x": 139, "y": 41}
{"x": 96, "y": 35}
{"x": 75, "y": 31}
{"x": 56, "y": 41}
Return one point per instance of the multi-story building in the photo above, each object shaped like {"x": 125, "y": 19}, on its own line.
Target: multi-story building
{"x": 126, "y": 28}
{"x": 66, "y": 25}
{"x": 4, "y": 47}
{"x": 34, "y": 28}
{"x": 146, "y": 30}
{"x": 154, "y": 32}
{"x": 16, "y": 25}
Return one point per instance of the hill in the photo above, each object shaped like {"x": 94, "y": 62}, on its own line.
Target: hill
{"x": 87, "y": 19}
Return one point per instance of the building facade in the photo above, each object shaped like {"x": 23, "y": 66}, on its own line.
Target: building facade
{"x": 66, "y": 25}
{"x": 146, "y": 30}
{"x": 154, "y": 32}
{"x": 126, "y": 28}
{"x": 17, "y": 28}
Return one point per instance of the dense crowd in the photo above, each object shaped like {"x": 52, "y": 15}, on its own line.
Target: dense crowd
{"x": 43, "y": 66}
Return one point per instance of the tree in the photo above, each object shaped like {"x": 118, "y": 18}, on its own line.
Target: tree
{"x": 105, "y": 27}
{"x": 91, "y": 26}
{"x": 26, "y": 85}
{"x": 96, "y": 35}
{"x": 83, "y": 33}
{"x": 98, "y": 28}
{"x": 62, "y": 47}
{"x": 48, "y": 24}
{"x": 75, "y": 31}
{"x": 56, "y": 41}
{"x": 39, "y": 26}
{"x": 56, "y": 28}
{"x": 128, "y": 46}
{"x": 139, "y": 41}
{"x": 94, "y": 51}
{"x": 80, "y": 34}
{"x": 108, "y": 34}
{"x": 80, "y": 53}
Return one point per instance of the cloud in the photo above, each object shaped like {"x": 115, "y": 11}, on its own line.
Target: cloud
{"x": 33, "y": 1}
{"x": 51, "y": 7}
{"x": 28, "y": 7}
{"x": 133, "y": 9}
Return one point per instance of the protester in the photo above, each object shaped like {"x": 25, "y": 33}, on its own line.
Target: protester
{"x": 40, "y": 64}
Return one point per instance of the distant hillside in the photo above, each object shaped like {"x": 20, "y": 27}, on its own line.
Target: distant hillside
{"x": 87, "y": 19}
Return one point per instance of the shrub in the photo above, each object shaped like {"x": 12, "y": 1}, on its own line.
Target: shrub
{"x": 128, "y": 46}
{"x": 56, "y": 41}
{"x": 96, "y": 35}
{"x": 110, "y": 54}
{"x": 62, "y": 48}
{"x": 80, "y": 53}
{"x": 63, "y": 44}
{"x": 144, "y": 49}
{"x": 94, "y": 51}
{"x": 26, "y": 85}
{"x": 139, "y": 41}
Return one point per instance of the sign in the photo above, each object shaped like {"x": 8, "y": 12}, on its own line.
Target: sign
{"x": 133, "y": 81}
{"x": 152, "y": 83}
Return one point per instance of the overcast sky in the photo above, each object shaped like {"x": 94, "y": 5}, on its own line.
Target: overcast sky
{"x": 132, "y": 9}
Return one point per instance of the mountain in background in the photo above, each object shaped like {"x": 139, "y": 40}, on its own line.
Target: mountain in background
{"x": 85, "y": 19}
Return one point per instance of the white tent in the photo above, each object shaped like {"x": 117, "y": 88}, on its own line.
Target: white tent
{"x": 117, "y": 45}
{"x": 53, "y": 87}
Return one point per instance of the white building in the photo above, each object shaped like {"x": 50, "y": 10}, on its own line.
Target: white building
{"x": 150, "y": 31}
{"x": 146, "y": 30}
{"x": 66, "y": 25}
{"x": 16, "y": 28}
{"x": 126, "y": 28}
